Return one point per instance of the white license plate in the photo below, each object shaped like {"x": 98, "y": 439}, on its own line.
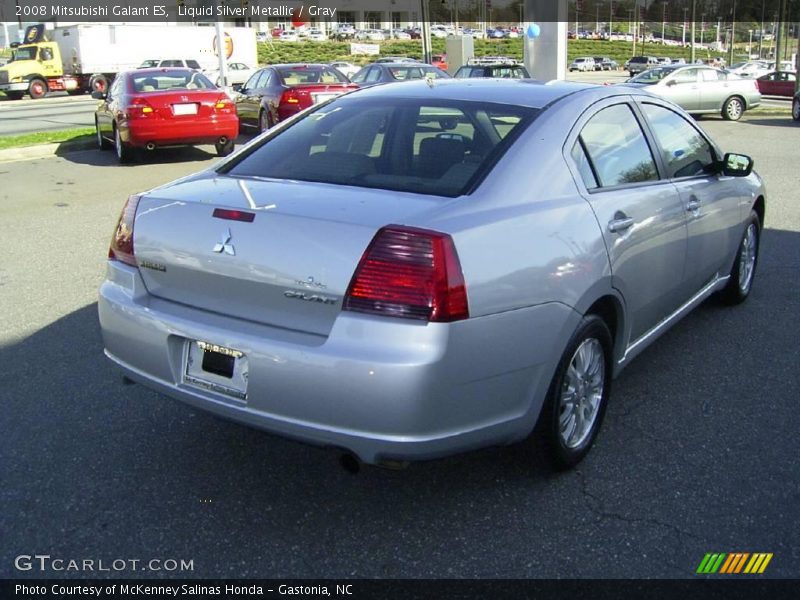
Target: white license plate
{"x": 184, "y": 109}
{"x": 216, "y": 368}
{"x": 317, "y": 98}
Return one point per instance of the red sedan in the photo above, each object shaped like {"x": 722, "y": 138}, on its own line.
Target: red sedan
{"x": 151, "y": 108}
{"x": 777, "y": 83}
{"x": 278, "y": 92}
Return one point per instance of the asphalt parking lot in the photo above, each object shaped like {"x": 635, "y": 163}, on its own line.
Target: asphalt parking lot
{"x": 697, "y": 452}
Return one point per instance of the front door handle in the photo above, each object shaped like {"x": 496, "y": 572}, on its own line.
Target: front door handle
{"x": 693, "y": 205}
{"x": 620, "y": 223}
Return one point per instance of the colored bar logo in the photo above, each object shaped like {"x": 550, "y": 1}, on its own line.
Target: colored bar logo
{"x": 734, "y": 563}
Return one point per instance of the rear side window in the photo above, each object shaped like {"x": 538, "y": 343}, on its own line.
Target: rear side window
{"x": 684, "y": 150}
{"x": 193, "y": 64}
{"x": 407, "y": 145}
{"x": 617, "y": 148}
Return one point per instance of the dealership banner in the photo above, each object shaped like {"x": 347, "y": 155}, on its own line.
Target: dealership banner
{"x": 299, "y": 12}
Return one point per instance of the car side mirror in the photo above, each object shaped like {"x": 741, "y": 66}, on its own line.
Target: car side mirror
{"x": 98, "y": 95}
{"x": 737, "y": 165}
{"x": 671, "y": 82}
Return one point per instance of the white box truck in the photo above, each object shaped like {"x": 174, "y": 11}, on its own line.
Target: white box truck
{"x": 87, "y": 57}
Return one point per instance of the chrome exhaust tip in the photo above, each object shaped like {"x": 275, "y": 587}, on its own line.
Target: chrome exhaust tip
{"x": 150, "y": 146}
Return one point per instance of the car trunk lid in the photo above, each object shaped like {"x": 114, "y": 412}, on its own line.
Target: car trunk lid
{"x": 289, "y": 266}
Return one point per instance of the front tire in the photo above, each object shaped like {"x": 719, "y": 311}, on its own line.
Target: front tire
{"x": 15, "y": 95}
{"x": 744, "y": 265}
{"x": 796, "y": 109}
{"x": 37, "y": 88}
{"x": 733, "y": 109}
{"x": 576, "y": 400}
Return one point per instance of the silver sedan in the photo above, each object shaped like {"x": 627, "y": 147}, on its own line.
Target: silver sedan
{"x": 424, "y": 268}
{"x": 702, "y": 90}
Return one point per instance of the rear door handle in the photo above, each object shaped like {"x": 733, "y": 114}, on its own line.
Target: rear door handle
{"x": 620, "y": 224}
{"x": 693, "y": 205}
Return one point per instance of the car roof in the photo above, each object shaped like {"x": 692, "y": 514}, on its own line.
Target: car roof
{"x": 523, "y": 92}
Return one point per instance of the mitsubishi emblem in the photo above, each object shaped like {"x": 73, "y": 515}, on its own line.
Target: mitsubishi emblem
{"x": 224, "y": 246}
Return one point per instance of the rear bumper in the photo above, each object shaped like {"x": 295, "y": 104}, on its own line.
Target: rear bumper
{"x": 379, "y": 388}
{"x": 165, "y": 133}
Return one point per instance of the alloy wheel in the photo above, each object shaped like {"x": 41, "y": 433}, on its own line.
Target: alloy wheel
{"x": 747, "y": 258}
{"x": 581, "y": 393}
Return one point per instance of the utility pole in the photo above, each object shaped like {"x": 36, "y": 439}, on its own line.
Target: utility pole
{"x": 427, "y": 54}
{"x": 779, "y": 39}
{"x": 733, "y": 33}
{"x": 664, "y": 25}
{"x": 694, "y": 16}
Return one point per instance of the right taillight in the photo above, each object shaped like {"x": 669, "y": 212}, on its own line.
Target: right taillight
{"x": 409, "y": 273}
{"x": 121, "y": 248}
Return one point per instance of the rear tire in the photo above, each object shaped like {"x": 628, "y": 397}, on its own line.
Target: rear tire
{"x": 733, "y": 109}
{"x": 224, "y": 149}
{"x": 15, "y": 95}
{"x": 125, "y": 153}
{"x": 37, "y": 88}
{"x": 576, "y": 400}
{"x": 99, "y": 83}
{"x": 102, "y": 142}
{"x": 263, "y": 121}
{"x": 795, "y": 109}
{"x": 744, "y": 265}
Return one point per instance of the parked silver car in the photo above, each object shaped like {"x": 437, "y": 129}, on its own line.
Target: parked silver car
{"x": 392, "y": 274}
{"x": 582, "y": 63}
{"x": 702, "y": 90}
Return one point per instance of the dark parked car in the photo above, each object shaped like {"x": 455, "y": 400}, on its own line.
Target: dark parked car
{"x": 498, "y": 70}
{"x": 392, "y": 72}
{"x": 276, "y": 93}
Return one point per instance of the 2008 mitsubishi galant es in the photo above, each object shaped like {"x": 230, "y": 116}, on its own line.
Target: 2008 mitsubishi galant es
{"x": 423, "y": 268}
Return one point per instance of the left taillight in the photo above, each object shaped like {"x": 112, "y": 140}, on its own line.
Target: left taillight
{"x": 121, "y": 247}
{"x": 139, "y": 108}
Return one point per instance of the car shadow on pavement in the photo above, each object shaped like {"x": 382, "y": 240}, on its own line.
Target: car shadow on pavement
{"x": 774, "y": 122}
{"x": 93, "y": 156}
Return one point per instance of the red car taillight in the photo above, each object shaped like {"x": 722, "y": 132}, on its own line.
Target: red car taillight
{"x": 121, "y": 248}
{"x": 409, "y": 273}
{"x": 139, "y": 108}
{"x": 290, "y": 97}
{"x": 224, "y": 105}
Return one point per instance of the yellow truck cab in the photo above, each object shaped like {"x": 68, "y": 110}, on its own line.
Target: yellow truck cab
{"x": 32, "y": 70}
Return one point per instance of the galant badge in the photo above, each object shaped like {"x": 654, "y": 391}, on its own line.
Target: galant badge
{"x": 224, "y": 245}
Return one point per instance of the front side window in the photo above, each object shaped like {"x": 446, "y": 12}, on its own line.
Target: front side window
{"x": 685, "y": 152}
{"x": 617, "y": 147}
{"x": 404, "y": 144}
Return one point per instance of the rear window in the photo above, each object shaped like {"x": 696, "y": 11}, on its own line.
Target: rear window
{"x": 301, "y": 75}
{"x": 437, "y": 148}
{"x": 169, "y": 80}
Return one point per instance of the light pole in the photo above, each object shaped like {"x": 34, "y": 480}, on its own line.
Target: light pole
{"x": 694, "y": 16}
{"x": 683, "y": 40}
{"x": 733, "y": 33}
{"x": 750, "y": 44}
{"x": 664, "y": 24}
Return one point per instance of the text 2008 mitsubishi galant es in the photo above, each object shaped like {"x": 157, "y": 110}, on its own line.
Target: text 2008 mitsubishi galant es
{"x": 423, "y": 268}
